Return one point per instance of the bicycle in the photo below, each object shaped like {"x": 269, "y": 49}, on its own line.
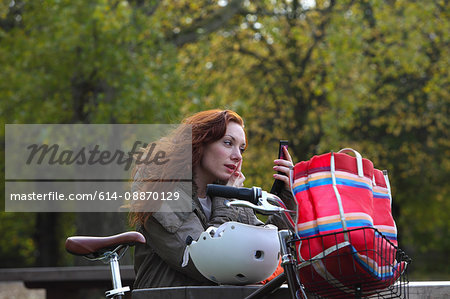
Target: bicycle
{"x": 113, "y": 247}
{"x": 354, "y": 283}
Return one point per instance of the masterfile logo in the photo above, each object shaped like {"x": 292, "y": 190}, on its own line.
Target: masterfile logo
{"x": 52, "y": 154}
{"x": 89, "y": 168}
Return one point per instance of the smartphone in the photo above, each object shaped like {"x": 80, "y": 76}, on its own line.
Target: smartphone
{"x": 277, "y": 184}
{"x": 283, "y": 143}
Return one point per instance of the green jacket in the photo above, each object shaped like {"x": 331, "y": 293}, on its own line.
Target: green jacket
{"x": 158, "y": 262}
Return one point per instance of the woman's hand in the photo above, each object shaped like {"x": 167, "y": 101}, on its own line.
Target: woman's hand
{"x": 284, "y": 166}
{"x": 237, "y": 178}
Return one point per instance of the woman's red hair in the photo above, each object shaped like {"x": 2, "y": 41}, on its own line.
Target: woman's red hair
{"x": 206, "y": 127}
{"x": 209, "y": 126}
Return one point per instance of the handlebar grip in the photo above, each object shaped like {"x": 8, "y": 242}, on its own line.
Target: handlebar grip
{"x": 249, "y": 194}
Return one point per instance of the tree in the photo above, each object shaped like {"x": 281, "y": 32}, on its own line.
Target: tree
{"x": 403, "y": 122}
{"x": 369, "y": 74}
{"x": 84, "y": 62}
{"x": 324, "y": 74}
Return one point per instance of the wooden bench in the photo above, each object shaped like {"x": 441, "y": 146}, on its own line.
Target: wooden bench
{"x": 67, "y": 282}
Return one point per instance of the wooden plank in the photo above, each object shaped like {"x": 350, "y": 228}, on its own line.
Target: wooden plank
{"x": 68, "y": 282}
{"x": 55, "y": 274}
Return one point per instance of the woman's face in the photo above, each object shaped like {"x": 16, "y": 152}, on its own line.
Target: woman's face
{"x": 222, "y": 157}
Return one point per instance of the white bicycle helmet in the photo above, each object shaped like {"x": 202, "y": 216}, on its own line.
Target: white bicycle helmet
{"x": 236, "y": 253}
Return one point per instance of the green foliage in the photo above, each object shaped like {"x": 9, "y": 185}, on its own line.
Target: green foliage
{"x": 83, "y": 62}
{"x": 400, "y": 119}
{"x": 17, "y": 246}
{"x": 372, "y": 75}
{"x": 92, "y": 62}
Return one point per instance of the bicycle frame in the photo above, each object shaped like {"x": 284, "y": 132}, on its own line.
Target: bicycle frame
{"x": 112, "y": 257}
{"x": 270, "y": 204}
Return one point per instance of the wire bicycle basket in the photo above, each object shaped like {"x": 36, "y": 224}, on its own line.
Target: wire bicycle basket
{"x": 378, "y": 269}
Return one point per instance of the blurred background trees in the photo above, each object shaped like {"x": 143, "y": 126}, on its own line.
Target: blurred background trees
{"x": 372, "y": 75}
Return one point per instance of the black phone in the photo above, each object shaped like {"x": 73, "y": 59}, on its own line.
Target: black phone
{"x": 277, "y": 184}
{"x": 283, "y": 143}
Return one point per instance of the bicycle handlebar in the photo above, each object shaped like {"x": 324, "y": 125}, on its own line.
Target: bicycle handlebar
{"x": 248, "y": 194}
{"x": 254, "y": 198}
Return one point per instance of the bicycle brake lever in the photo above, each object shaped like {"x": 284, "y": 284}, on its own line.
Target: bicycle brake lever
{"x": 246, "y": 204}
{"x": 264, "y": 206}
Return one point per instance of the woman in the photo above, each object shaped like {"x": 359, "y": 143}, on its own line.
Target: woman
{"x": 218, "y": 142}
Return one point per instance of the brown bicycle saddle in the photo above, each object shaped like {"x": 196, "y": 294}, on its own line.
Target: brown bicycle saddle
{"x": 82, "y": 245}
